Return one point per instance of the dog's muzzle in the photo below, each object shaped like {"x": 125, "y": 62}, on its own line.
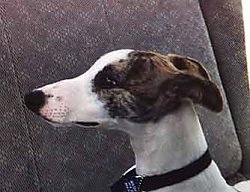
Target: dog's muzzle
{"x": 35, "y": 100}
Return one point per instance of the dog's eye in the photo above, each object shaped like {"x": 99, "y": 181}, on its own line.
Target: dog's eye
{"x": 110, "y": 81}
{"x": 106, "y": 79}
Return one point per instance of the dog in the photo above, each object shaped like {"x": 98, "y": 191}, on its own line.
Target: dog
{"x": 151, "y": 97}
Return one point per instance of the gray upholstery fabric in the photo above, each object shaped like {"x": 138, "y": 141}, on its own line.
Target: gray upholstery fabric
{"x": 45, "y": 41}
{"x": 17, "y": 167}
{"x": 225, "y": 25}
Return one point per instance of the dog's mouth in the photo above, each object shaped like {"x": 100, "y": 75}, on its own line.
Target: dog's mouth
{"x": 78, "y": 123}
{"x": 86, "y": 124}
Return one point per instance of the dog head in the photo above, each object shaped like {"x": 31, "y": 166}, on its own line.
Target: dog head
{"x": 135, "y": 86}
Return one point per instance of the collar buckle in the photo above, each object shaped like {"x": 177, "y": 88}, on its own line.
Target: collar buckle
{"x": 128, "y": 184}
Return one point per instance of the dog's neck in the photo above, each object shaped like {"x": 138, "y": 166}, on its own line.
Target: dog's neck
{"x": 169, "y": 144}
{"x": 172, "y": 143}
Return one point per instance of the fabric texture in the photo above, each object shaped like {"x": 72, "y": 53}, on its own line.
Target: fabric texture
{"x": 225, "y": 26}
{"x": 17, "y": 168}
{"x": 46, "y": 41}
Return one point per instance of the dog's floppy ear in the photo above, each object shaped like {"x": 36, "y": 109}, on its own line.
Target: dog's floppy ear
{"x": 194, "y": 82}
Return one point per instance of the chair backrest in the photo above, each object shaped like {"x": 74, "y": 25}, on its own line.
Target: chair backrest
{"x": 45, "y": 41}
{"x": 226, "y": 30}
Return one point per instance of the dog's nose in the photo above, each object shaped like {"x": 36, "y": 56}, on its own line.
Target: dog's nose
{"x": 35, "y": 100}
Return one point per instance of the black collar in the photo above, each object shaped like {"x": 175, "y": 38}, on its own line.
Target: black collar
{"x": 131, "y": 182}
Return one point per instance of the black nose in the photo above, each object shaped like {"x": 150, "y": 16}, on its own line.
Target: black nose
{"x": 35, "y": 100}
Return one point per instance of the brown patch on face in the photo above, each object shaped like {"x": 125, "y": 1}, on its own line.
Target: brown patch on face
{"x": 146, "y": 86}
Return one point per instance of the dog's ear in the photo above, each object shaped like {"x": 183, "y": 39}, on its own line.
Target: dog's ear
{"x": 189, "y": 65}
{"x": 193, "y": 82}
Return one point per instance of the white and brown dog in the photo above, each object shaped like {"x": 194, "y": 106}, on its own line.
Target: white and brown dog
{"x": 149, "y": 96}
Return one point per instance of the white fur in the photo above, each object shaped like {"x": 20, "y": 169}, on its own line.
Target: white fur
{"x": 173, "y": 142}
{"x": 243, "y": 186}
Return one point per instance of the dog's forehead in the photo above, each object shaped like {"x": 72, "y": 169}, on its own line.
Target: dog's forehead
{"x": 109, "y": 58}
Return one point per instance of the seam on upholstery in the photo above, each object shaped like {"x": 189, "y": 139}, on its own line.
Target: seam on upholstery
{"x": 104, "y": 8}
{"x": 12, "y": 64}
{"x": 214, "y": 54}
{"x": 215, "y": 57}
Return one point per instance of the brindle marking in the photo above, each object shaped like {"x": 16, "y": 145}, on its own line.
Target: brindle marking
{"x": 146, "y": 86}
